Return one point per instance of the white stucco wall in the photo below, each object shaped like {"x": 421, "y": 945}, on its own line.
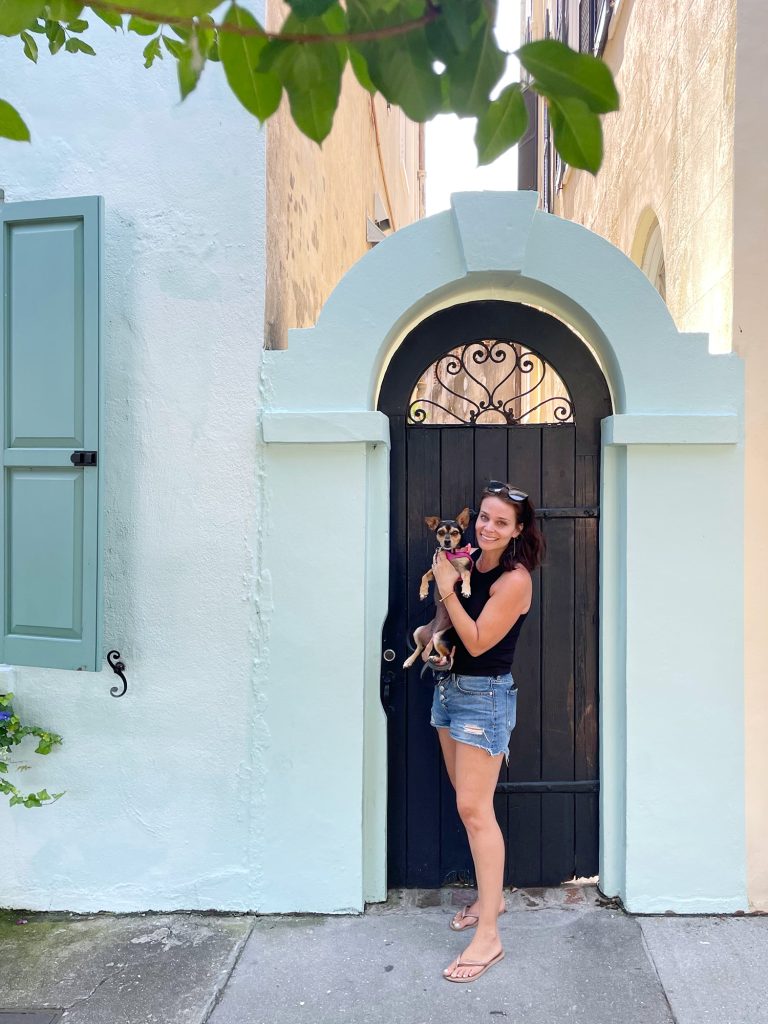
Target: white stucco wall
{"x": 163, "y": 786}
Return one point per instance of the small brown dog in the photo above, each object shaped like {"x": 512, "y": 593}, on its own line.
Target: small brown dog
{"x": 430, "y": 637}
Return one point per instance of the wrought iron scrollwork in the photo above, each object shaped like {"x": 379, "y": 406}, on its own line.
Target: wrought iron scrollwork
{"x": 117, "y": 665}
{"x": 529, "y": 391}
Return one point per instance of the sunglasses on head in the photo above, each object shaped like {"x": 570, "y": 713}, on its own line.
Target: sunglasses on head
{"x": 499, "y": 487}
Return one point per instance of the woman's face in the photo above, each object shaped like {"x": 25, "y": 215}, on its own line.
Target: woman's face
{"x": 496, "y": 524}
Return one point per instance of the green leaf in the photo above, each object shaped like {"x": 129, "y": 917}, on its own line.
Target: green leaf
{"x": 190, "y": 66}
{"x": 16, "y": 15}
{"x": 78, "y": 46}
{"x": 38, "y": 27}
{"x": 78, "y": 25}
{"x": 141, "y": 26}
{"x": 453, "y": 32}
{"x": 173, "y": 46}
{"x": 206, "y": 34}
{"x": 360, "y": 68}
{"x": 458, "y": 16}
{"x": 309, "y": 8}
{"x": 30, "y": 46}
{"x": 111, "y": 18}
{"x": 259, "y": 93}
{"x": 563, "y": 72}
{"x": 400, "y": 67}
{"x": 502, "y": 124}
{"x": 64, "y": 10}
{"x": 151, "y": 51}
{"x": 57, "y": 39}
{"x": 578, "y": 133}
{"x": 164, "y": 9}
{"x": 311, "y": 74}
{"x": 474, "y": 73}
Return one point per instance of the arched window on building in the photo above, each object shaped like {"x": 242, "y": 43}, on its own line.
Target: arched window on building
{"x": 648, "y": 251}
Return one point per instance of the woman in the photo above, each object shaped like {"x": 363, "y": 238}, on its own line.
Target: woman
{"x": 474, "y": 707}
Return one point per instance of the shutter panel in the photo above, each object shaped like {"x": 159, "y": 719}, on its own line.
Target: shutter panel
{"x": 50, "y": 558}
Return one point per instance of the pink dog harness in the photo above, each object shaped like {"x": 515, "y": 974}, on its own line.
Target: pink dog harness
{"x": 465, "y": 552}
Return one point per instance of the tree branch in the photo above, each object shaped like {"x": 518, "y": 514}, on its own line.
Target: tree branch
{"x": 391, "y": 31}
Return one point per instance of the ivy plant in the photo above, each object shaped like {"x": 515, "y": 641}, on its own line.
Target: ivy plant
{"x": 425, "y": 56}
{"x": 12, "y": 732}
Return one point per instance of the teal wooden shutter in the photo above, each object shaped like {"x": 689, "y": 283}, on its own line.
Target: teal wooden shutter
{"x": 50, "y": 266}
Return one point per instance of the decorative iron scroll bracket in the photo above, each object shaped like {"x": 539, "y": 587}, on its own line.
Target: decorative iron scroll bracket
{"x": 118, "y": 667}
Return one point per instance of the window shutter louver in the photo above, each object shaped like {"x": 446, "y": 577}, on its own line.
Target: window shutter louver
{"x": 50, "y": 262}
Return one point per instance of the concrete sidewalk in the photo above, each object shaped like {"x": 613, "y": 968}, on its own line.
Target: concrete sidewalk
{"x": 569, "y": 957}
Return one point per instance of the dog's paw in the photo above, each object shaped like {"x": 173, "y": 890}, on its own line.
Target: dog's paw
{"x": 423, "y": 593}
{"x": 466, "y": 590}
{"x": 441, "y": 661}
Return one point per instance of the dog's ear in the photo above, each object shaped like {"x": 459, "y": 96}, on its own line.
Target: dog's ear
{"x": 432, "y": 522}
{"x": 463, "y": 518}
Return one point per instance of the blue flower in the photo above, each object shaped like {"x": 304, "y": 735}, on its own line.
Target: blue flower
{"x": 4, "y": 716}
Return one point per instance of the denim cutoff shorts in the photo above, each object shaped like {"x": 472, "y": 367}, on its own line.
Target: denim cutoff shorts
{"x": 479, "y": 710}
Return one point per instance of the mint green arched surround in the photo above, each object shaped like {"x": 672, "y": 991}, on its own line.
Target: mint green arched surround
{"x": 671, "y": 684}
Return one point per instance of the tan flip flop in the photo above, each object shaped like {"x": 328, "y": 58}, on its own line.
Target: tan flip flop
{"x": 473, "y": 963}
{"x": 471, "y": 920}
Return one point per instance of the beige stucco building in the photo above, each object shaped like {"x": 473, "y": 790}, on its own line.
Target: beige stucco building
{"x": 682, "y": 192}
{"x": 326, "y": 206}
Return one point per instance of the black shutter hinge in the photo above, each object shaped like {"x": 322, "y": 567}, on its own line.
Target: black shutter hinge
{"x": 83, "y": 458}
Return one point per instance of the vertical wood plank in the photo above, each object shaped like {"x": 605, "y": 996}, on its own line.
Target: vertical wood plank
{"x": 394, "y": 634}
{"x": 586, "y": 664}
{"x": 422, "y": 753}
{"x": 523, "y": 867}
{"x": 490, "y": 456}
{"x": 456, "y": 493}
{"x": 524, "y": 814}
{"x": 557, "y": 655}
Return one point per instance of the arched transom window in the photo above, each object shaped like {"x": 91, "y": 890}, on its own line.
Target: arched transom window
{"x": 490, "y": 382}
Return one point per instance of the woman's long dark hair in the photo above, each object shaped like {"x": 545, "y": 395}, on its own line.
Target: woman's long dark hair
{"x": 529, "y": 547}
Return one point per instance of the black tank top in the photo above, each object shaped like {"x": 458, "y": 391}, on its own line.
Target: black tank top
{"x": 497, "y": 660}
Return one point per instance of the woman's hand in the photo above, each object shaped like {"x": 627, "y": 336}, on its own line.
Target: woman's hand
{"x": 445, "y": 575}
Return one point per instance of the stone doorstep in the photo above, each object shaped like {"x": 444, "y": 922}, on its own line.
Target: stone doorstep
{"x": 49, "y": 1015}
{"x": 575, "y": 894}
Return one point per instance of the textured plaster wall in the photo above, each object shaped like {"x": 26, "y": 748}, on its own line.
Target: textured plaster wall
{"x": 164, "y": 786}
{"x": 318, "y": 198}
{"x": 670, "y": 148}
{"x": 750, "y": 340}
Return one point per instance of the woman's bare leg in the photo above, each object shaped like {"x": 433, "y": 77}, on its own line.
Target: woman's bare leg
{"x": 449, "y": 745}
{"x": 476, "y": 774}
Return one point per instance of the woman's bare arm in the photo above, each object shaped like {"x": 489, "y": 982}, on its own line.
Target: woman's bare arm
{"x": 510, "y": 596}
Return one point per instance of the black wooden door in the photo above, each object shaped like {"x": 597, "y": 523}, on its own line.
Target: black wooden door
{"x": 547, "y": 798}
